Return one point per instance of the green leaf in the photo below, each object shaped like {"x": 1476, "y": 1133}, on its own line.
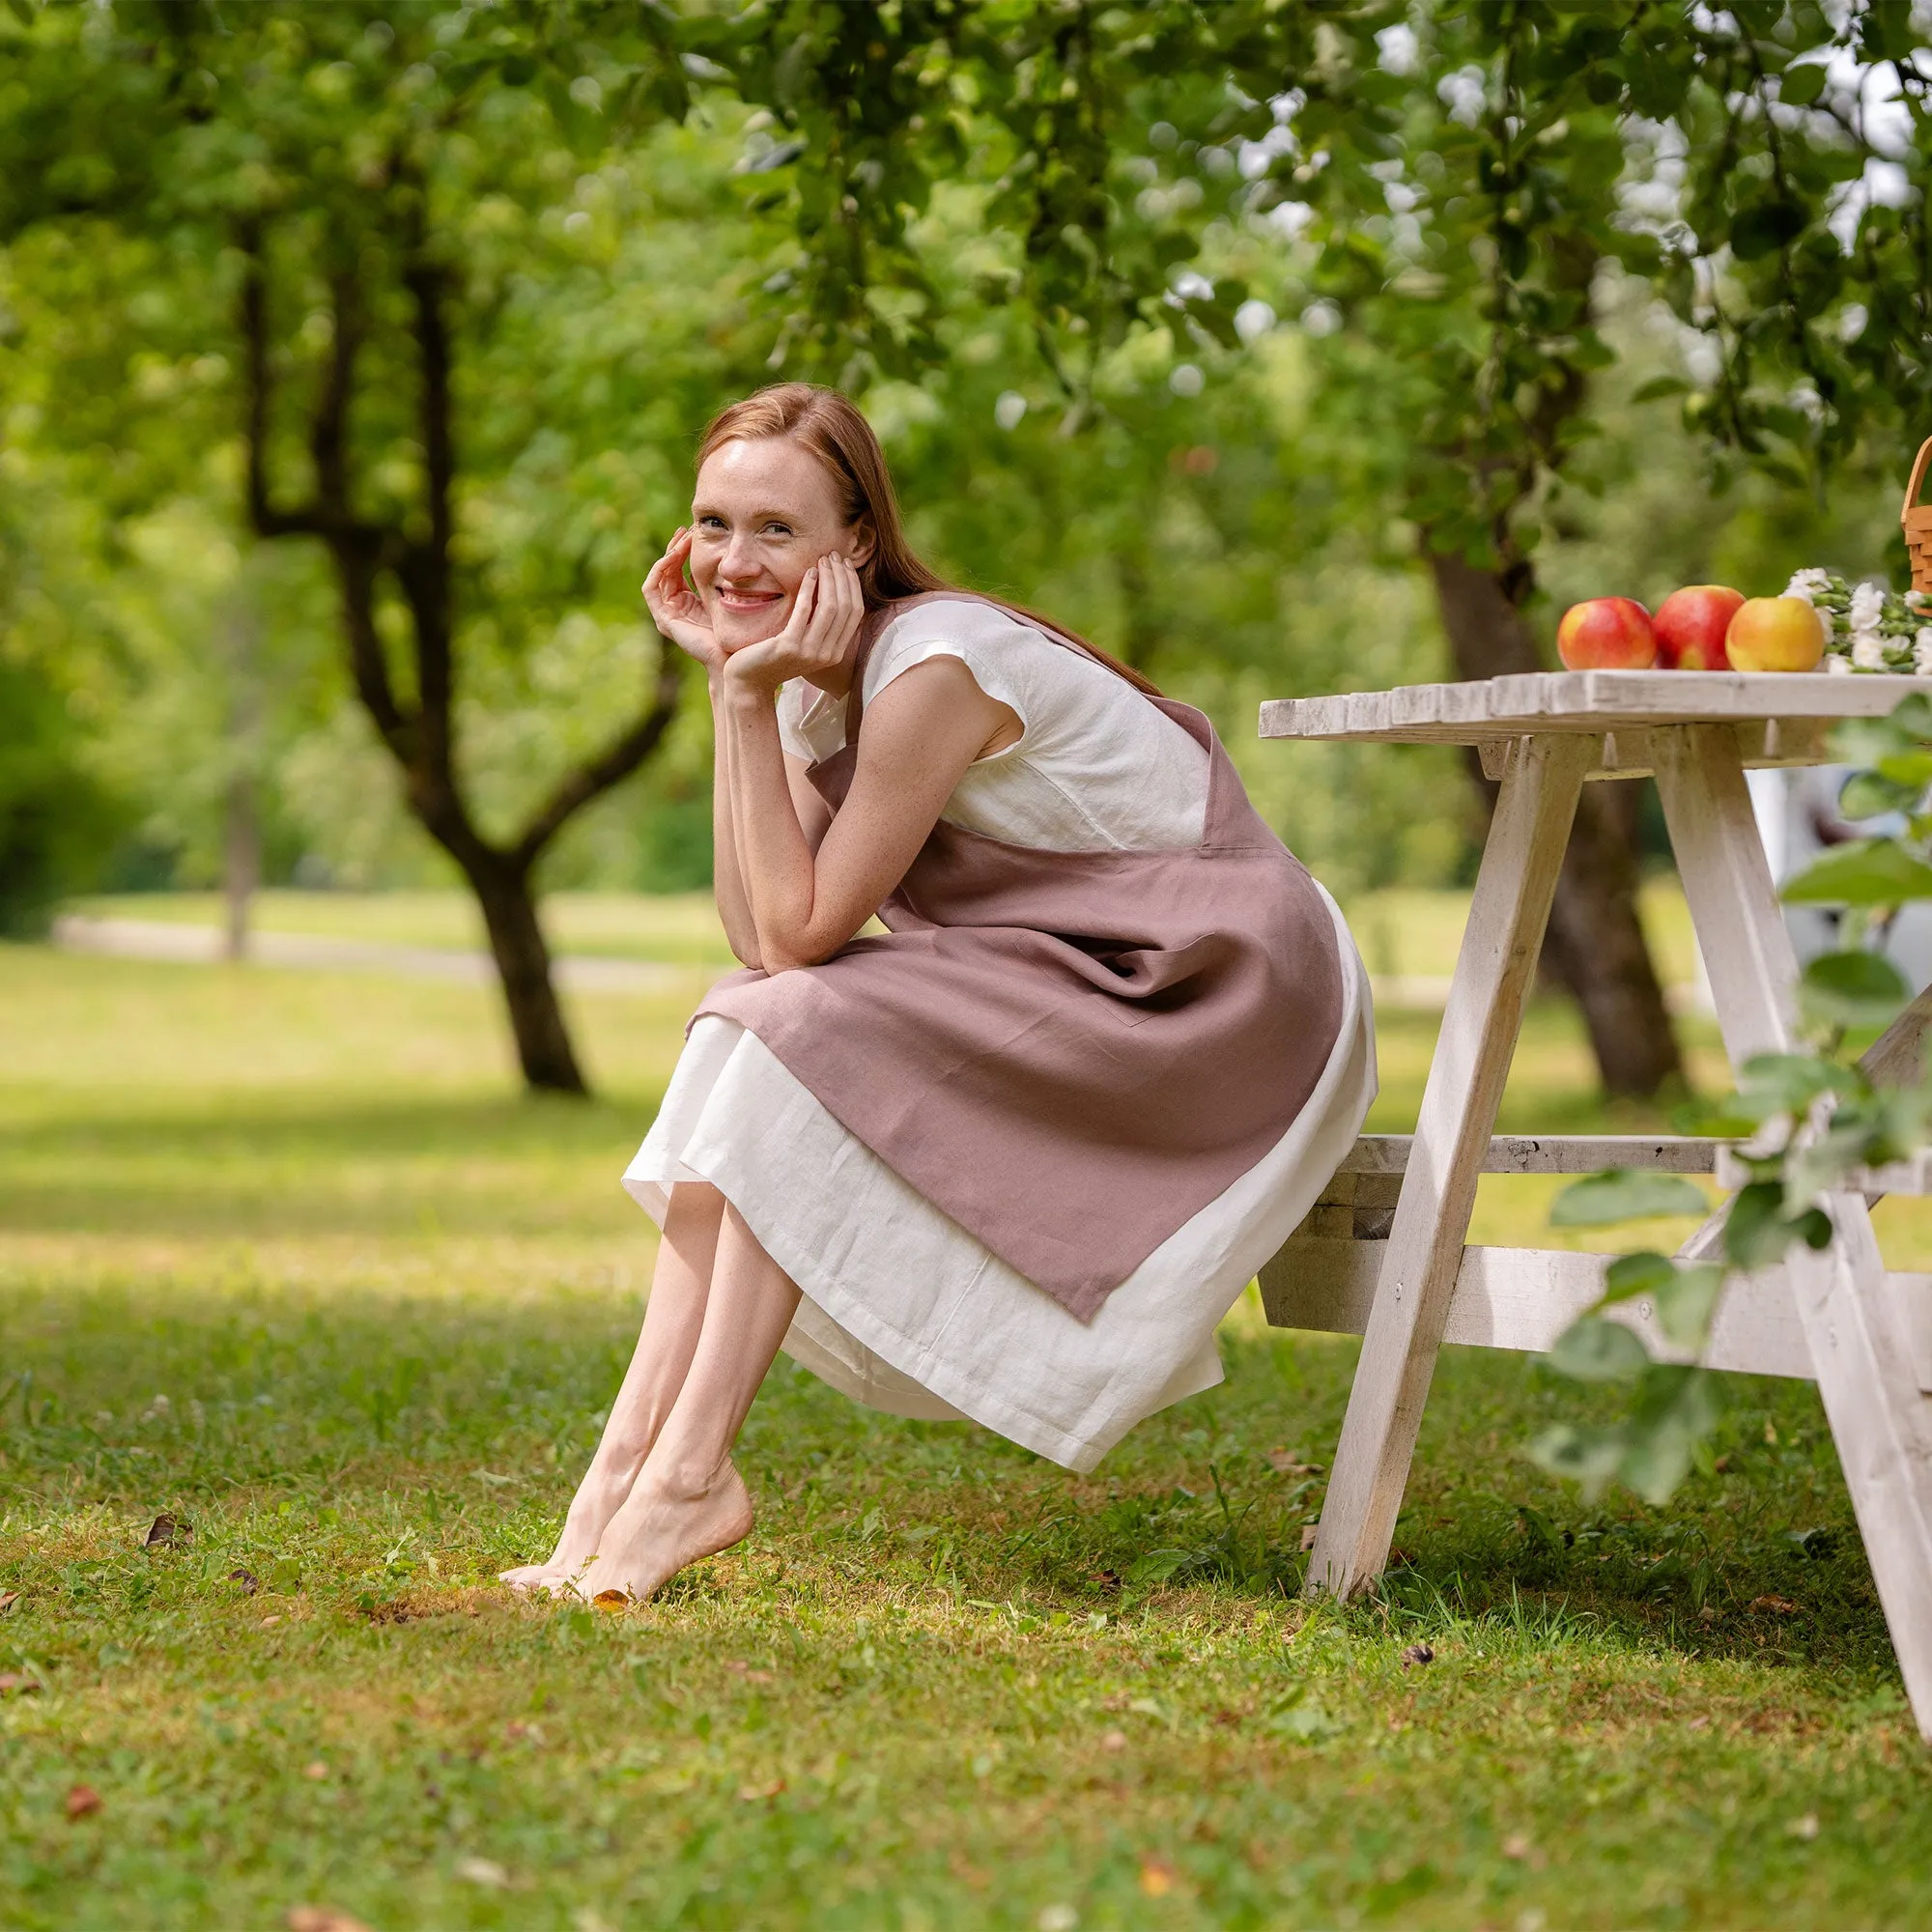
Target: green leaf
{"x": 1865, "y": 872}
{"x": 1596, "y": 1351}
{"x": 1854, "y": 989}
{"x": 1787, "y": 1082}
{"x": 1586, "y": 1453}
{"x": 1758, "y": 1231}
{"x": 1872, "y": 794}
{"x": 1632, "y": 1275}
{"x": 1158, "y": 1566}
{"x": 1660, "y": 386}
{"x": 1686, "y": 1305}
{"x": 1676, "y": 1408}
{"x": 1764, "y": 228}
{"x": 1624, "y": 1194}
{"x": 1800, "y": 86}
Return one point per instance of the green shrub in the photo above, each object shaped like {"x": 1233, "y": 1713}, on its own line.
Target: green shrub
{"x": 57, "y": 822}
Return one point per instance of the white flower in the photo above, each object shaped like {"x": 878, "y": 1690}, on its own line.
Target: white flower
{"x": 1867, "y": 650}
{"x": 1921, "y": 652}
{"x": 1838, "y": 667}
{"x": 1807, "y": 583}
{"x": 1868, "y": 607}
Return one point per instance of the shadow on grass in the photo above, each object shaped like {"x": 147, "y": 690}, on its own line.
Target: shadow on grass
{"x": 470, "y": 1418}
{"x": 252, "y": 1165}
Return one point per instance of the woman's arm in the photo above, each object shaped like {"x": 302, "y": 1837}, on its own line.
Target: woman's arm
{"x": 734, "y": 904}
{"x": 727, "y": 885}
{"x": 921, "y": 735}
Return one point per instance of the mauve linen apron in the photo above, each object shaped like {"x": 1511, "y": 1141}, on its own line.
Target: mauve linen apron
{"x": 1069, "y": 1053}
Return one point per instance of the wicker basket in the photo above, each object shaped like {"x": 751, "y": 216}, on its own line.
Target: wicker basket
{"x": 1917, "y": 522}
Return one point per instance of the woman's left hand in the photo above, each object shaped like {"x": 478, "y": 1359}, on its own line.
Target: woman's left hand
{"x": 825, "y": 617}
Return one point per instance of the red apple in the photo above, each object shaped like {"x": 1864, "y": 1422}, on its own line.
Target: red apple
{"x": 1607, "y": 634}
{"x": 1774, "y": 634}
{"x": 1691, "y": 626}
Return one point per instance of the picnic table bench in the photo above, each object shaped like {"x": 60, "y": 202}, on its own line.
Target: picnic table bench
{"x": 1383, "y": 1254}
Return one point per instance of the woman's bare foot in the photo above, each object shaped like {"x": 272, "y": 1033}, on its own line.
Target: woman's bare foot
{"x": 598, "y": 1499}
{"x": 662, "y": 1529}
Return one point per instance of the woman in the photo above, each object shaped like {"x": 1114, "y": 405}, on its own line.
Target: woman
{"x": 1013, "y": 1159}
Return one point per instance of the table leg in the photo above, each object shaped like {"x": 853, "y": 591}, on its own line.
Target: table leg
{"x": 1493, "y": 971}
{"x": 1861, "y": 1353}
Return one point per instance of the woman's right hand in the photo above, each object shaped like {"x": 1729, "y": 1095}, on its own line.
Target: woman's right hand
{"x": 675, "y": 608}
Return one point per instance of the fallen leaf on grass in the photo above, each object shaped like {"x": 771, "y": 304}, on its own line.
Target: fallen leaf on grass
{"x": 320, "y": 1919}
{"x": 1806, "y": 1828}
{"x": 1778, "y": 1606}
{"x": 1417, "y": 1653}
{"x": 482, "y": 1871}
{"x": 167, "y": 1527}
{"x": 739, "y": 1669}
{"x": 83, "y": 1802}
{"x": 612, "y": 1599}
{"x": 1106, "y": 1581}
{"x": 246, "y": 1579}
{"x": 1288, "y": 1462}
{"x": 17, "y": 1684}
{"x": 1307, "y": 1537}
{"x": 1157, "y": 1876}
{"x": 316, "y": 1769}
{"x": 1114, "y": 1740}
{"x": 754, "y": 1794}
{"x": 8, "y": 1599}
{"x": 1515, "y": 1846}
{"x": 268, "y": 1623}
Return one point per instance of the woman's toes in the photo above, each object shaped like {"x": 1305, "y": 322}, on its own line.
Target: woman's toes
{"x": 526, "y": 1578}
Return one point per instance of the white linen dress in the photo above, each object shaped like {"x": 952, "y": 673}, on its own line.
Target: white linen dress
{"x": 903, "y": 1310}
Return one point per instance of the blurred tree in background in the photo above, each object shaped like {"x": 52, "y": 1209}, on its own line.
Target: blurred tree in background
{"x": 1278, "y": 345}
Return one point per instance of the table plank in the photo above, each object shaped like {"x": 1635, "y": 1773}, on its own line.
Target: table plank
{"x": 1581, "y": 700}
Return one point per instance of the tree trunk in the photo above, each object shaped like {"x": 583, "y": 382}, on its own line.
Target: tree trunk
{"x": 1594, "y": 944}
{"x": 241, "y": 815}
{"x": 240, "y": 860}
{"x": 522, "y": 955}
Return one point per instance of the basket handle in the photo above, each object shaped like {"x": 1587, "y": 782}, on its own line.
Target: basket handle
{"x": 1918, "y": 477}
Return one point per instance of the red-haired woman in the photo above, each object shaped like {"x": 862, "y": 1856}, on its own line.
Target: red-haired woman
{"x": 1014, "y": 1158}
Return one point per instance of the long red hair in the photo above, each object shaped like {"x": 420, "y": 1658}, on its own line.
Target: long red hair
{"x": 830, "y": 426}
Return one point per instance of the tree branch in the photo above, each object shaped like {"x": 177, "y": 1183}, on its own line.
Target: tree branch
{"x": 267, "y": 521}
{"x": 610, "y": 767}
{"x": 424, "y": 565}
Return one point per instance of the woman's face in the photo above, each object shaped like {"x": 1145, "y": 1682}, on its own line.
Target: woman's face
{"x": 764, "y": 512}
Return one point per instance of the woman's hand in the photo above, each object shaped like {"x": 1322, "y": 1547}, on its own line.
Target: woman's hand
{"x": 674, "y": 607}
{"x": 825, "y": 617}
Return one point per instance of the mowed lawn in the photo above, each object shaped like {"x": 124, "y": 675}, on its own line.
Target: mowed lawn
{"x": 285, "y": 1253}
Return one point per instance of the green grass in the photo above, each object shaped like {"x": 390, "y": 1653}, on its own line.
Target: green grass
{"x": 1401, "y": 931}
{"x": 678, "y": 927}
{"x": 284, "y": 1254}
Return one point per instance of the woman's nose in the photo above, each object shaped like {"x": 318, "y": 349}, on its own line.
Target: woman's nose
{"x": 741, "y": 555}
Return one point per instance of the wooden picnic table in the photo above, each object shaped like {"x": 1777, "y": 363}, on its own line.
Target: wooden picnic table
{"x": 1383, "y": 1254}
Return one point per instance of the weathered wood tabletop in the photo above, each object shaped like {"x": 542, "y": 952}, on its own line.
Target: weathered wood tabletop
{"x": 1592, "y": 701}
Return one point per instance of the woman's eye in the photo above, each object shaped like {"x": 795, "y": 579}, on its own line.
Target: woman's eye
{"x": 776, "y": 531}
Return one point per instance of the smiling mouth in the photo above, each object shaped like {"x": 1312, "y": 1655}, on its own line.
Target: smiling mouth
{"x": 749, "y": 600}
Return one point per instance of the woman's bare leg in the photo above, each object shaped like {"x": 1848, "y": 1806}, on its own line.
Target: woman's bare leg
{"x": 689, "y": 1501}
{"x": 673, "y": 1318}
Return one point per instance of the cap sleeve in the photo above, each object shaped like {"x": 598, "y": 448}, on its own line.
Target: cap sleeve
{"x": 995, "y": 646}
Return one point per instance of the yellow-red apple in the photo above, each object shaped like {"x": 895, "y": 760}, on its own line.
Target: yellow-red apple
{"x": 1774, "y": 634}
{"x": 1691, "y": 625}
{"x": 1607, "y": 634}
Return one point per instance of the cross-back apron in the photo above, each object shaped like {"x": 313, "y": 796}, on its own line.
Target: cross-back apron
{"x": 1069, "y": 1053}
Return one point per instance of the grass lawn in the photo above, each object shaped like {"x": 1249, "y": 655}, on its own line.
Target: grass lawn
{"x": 284, "y": 1252}
{"x": 1402, "y": 932}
